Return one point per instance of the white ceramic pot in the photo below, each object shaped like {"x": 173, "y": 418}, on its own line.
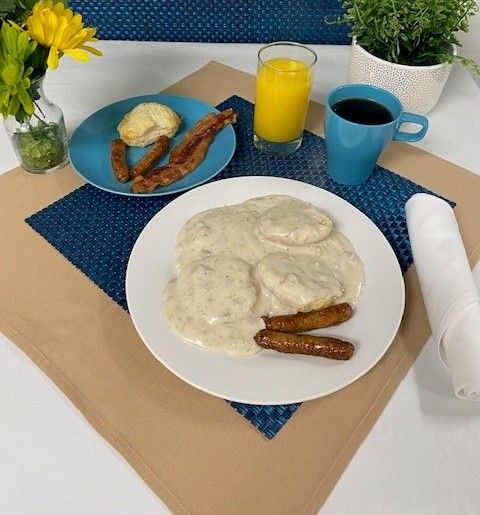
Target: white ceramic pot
{"x": 417, "y": 87}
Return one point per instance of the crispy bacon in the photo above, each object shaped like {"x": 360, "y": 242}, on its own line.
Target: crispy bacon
{"x": 188, "y": 154}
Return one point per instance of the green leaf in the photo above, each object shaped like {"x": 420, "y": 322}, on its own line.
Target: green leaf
{"x": 28, "y": 4}
{"x": 13, "y": 105}
{"x": 9, "y": 39}
{"x": 4, "y": 96}
{"x": 22, "y": 44}
{"x": 12, "y": 72}
{"x": 7, "y": 7}
{"x": 25, "y": 100}
{"x": 16, "y": 50}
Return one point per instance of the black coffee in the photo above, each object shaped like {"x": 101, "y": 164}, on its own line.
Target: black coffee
{"x": 361, "y": 110}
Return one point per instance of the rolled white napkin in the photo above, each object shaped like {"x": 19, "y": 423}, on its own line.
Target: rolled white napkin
{"x": 451, "y": 297}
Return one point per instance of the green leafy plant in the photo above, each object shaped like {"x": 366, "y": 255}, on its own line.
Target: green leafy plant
{"x": 15, "y": 49}
{"x": 15, "y": 10}
{"x": 411, "y": 32}
{"x": 18, "y": 10}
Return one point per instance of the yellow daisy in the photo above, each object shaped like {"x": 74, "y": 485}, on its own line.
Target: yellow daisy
{"x": 56, "y": 27}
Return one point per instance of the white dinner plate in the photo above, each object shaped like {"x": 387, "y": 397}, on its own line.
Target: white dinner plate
{"x": 268, "y": 377}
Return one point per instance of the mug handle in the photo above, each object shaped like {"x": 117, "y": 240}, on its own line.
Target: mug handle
{"x": 408, "y": 136}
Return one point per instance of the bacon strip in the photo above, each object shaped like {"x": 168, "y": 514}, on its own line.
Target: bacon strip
{"x": 188, "y": 154}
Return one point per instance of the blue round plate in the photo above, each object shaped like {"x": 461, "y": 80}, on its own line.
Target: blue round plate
{"x": 89, "y": 149}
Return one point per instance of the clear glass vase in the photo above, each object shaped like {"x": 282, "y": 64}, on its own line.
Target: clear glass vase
{"x": 40, "y": 141}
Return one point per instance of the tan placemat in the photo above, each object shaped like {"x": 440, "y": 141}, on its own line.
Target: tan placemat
{"x": 192, "y": 449}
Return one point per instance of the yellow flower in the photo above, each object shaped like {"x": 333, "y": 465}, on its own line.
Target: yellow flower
{"x": 56, "y": 27}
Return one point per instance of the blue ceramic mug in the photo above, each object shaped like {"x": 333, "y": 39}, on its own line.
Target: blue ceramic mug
{"x": 354, "y": 148}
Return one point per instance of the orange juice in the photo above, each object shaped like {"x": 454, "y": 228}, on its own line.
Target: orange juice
{"x": 281, "y": 100}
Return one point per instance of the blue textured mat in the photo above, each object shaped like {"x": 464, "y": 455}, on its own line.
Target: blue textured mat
{"x": 233, "y": 21}
{"x": 96, "y": 230}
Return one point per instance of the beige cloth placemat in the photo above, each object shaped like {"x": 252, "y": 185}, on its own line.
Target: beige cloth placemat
{"x": 192, "y": 449}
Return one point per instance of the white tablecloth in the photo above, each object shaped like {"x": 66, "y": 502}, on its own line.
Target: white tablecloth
{"x": 423, "y": 454}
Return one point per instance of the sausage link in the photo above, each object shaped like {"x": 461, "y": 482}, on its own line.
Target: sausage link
{"x": 322, "y": 346}
{"x": 151, "y": 157}
{"x": 317, "y": 319}
{"x": 119, "y": 165}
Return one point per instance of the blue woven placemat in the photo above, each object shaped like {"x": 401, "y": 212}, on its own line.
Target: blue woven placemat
{"x": 229, "y": 21}
{"x": 96, "y": 230}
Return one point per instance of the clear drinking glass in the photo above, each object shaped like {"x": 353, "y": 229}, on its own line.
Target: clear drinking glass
{"x": 284, "y": 83}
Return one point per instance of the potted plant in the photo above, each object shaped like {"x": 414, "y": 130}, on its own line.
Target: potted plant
{"x": 34, "y": 35}
{"x": 407, "y": 46}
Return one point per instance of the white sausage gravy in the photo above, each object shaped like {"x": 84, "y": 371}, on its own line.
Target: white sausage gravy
{"x": 267, "y": 256}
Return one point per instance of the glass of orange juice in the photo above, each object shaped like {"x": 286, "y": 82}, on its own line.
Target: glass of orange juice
{"x": 284, "y": 83}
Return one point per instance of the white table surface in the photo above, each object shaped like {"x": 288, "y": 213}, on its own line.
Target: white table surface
{"x": 423, "y": 454}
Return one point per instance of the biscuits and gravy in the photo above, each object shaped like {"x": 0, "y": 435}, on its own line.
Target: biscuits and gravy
{"x": 269, "y": 256}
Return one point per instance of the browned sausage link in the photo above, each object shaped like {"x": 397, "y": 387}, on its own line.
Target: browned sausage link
{"x": 119, "y": 165}
{"x": 322, "y": 346}
{"x": 151, "y": 157}
{"x": 317, "y": 319}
